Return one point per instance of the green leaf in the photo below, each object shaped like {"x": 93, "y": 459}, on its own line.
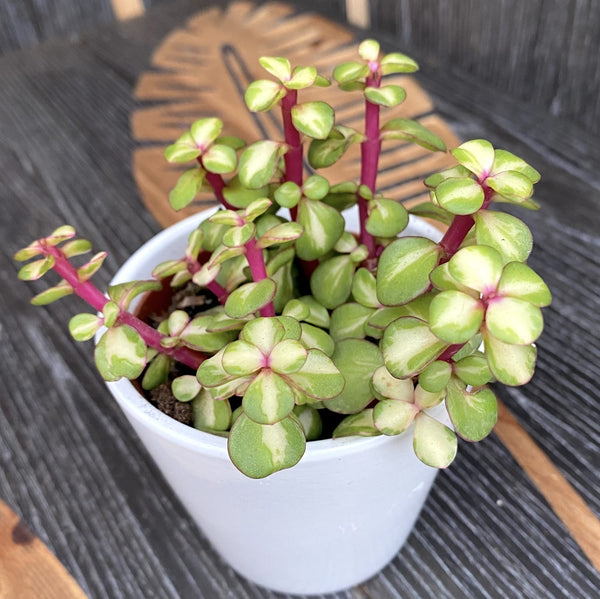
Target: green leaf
{"x": 157, "y": 372}
{"x": 205, "y": 131}
{"x": 241, "y": 358}
{"x": 393, "y": 417}
{"x": 413, "y": 131}
{"x": 268, "y": 399}
{"x": 404, "y": 268}
{"x": 186, "y": 387}
{"x": 325, "y": 152}
{"x": 199, "y": 336}
{"x": 315, "y": 338}
{"x": 211, "y": 372}
{"x": 364, "y": 289}
{"x": 77, "y": 247}
{"x": 357, "y": 425}
{"x": 349, "y": 320}
{"x": 477, "y": 267}
{"x": 434, "y": 443}
{"x": 314, "y": 119}
{"x": 261, "y": 449}
{"x": 331, "y": 282}
{"x": 84, "y": 326}
{"x": 460, "y": 196}
{"x": 124, "y": 293}
{"x": 428, "y": 399}
{"x": 35, "y": 270}
{"x": 519, "y": 280}
{"x": 310, "y": 420}
{"x": 455, "y": 317}
{"x": 477, "y": 155}
{"x": 283, "y": 233}
{"x": 258, "y": 162}
{"x": 249, "y": 298}
{"x": 510, "y": 364}
{"x": 505, "y": 233}
{"x": 265, "y": 333}
{"x": 168, "y": 269}
{"x": 287, "y": 357}
{"x": 52, "y": 294}
{"x": 302, "y": 77}
{"x": 91, "y": 267}
{"x": 211, "y": 414}
{"x": 263, "y": 94}
{"x": 183, "y": 150}
{"x": 323, "y": 226}
{"x": 121, "y": 352}
{"x": 505, "y": 161}
{"x": 257, "y": 208}
{"x": 288, "y": 194}
{"x": 397, "y": 63}
{"x": 369, "y": 50}
{"x": 239, "y": 236}
{"x": 511, "y": 185}
{"x": 356, "y": 359}
{"x": 455, "y": 172}
{"x": 277, "y": 66}
{"x": 388, "y": 95}
{"x": 231, "y": 140}
{"x": 473, "y": 370}
{"x": 473, "y": 415}
{"x": 188, "y": 185}
{"x": 435, "y": 377}
{"x": 386, "y": 218}
{"x": 33, "y": 249}
{"x": 220, "y": 159}
{"x": 387, "y": 386}
{"x": 514, "y": 320}
{"x": 408, "y": 346}
{"x": 318, "y": 377}
{"x": 350, "y": 71}
{"x": 240, "y": 196}
{"x": 315, "y": 187}
{"x": 110, "y": 313}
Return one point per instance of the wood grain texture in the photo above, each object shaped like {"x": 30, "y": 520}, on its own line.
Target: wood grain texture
{"x": 215, "y": 56}
{"x": 27, "y": 569}
{"x": 68, "y": 461}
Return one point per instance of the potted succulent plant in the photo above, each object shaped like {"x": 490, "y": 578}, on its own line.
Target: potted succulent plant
{"x": 303, "y": 311}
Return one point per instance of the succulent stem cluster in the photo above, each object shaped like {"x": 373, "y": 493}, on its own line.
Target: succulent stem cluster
{"x": 393, "y": 333}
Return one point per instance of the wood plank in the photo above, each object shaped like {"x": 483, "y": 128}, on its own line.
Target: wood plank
{"x": 127, "y": 9}
{"x": 27, "y": 569}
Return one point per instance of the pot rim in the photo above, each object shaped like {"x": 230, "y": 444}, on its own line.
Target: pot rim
{"x": 192, "y": 438}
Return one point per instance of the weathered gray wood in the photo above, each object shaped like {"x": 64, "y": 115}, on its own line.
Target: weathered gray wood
{"x": 69, "y": 463}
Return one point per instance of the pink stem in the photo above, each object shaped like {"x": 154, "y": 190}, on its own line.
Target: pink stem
{"x": 87, "y": 291}
{"x": 293, "y": 157}
{"x": 461, "y": 225}
{"x": 369, "y": 151}
{"x": 218, "y": 184}
{"x": 256, "y": 260}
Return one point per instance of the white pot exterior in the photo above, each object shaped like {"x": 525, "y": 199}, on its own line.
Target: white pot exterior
{"x": 332, "y": 521}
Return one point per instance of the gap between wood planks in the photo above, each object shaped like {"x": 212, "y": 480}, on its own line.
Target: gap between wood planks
{"x": 127, "y": 9}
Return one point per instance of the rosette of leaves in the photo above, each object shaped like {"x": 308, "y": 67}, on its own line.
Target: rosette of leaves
{"x": 274, "y": 369}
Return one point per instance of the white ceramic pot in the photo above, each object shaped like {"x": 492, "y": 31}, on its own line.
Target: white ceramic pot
{"x": 331, "y": 522}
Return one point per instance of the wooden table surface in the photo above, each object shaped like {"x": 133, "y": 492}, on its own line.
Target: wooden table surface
{"x": 515, "y": 515}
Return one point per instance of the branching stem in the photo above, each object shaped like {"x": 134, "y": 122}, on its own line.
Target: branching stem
{"x": 293, "y": 156}
{"x": 87, "y": 291}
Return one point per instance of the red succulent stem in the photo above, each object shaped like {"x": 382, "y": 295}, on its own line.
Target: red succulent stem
{"x": 293, "y": 157}
{"x": 461, "y": 225}
{"x": 218, "y": 184}
{"x": 87, "y": 291}
{"x": 256, "y": 260}
{"x": 450, "y": 351}
{"x": 370, "y": 150}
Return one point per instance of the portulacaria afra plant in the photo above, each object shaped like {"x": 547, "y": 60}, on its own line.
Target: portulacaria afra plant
{"x": 312, "y": 318}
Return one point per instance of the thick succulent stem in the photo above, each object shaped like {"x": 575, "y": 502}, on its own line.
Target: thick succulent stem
{"x": 218, "y": 184}
{"x": 369, "y": 151}
{"x": 256, "y": 261}
{"x": 293, "y": 156}
{"x": 87, "y": 291}
{"x": 460, "y": 227}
